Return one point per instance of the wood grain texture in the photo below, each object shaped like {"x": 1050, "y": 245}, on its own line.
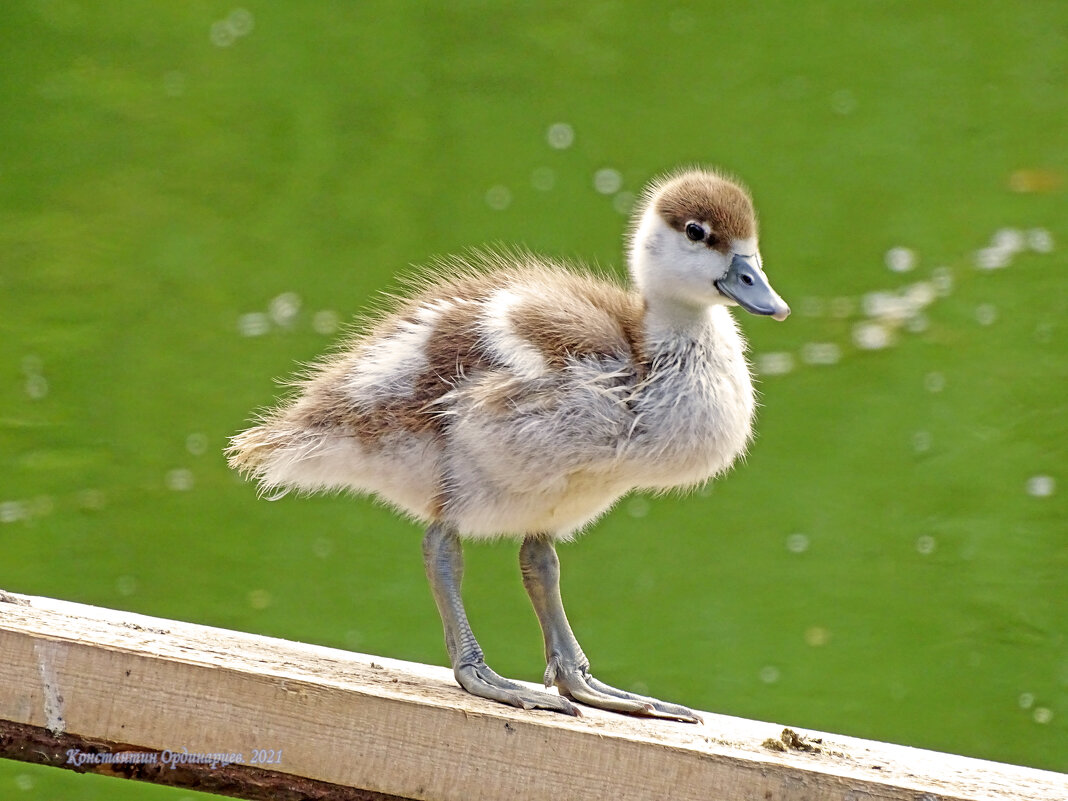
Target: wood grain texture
{"x": 72, "y": 673}
{"x": 81, "y": 754}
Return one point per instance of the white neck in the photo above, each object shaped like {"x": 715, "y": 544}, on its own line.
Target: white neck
{"x": 659, "y": 271}
{"x": 673, "y": 279}
{"x": 666, "y": 318}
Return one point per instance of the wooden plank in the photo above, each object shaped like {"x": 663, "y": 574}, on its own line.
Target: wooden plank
{"x": 83, "y": 754}
{"x": 342, "y": 721}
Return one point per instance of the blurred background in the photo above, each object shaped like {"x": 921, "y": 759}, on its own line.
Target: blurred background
{"x": 195, "y": 196}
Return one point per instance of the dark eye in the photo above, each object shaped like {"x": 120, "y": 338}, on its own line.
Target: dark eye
{"x": 695, "y": 231}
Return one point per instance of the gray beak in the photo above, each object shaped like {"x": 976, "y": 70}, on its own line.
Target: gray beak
{"x": 746, "y": 284}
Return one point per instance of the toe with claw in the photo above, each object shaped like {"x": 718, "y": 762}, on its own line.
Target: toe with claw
{"x": 479, "y": 679}
{"x": 576, "y": 683}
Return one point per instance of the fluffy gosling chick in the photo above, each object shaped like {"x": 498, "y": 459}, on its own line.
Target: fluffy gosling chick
{"x": 511, "y": 395}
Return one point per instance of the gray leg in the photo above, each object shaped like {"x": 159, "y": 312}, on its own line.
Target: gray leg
{"x": 445, "y": 569}
{"x": 568, "y": 667}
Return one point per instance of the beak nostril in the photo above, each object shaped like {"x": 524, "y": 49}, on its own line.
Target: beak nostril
{"x": 747, "y": 280}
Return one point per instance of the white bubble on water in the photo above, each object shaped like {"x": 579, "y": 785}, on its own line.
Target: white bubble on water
{"x": 326, "y": 322}
{"x": 126, "y": 585}
{"x": 499, "y": 197}
{"x": 1040, "y": 240}
{"x": 921, "y": 294}
{"x": 36, "y": 387}
{"x": 942, "y": 280}
{"x": 1026, "y": 700}
{"x": 1041, "y": 486}
{"x": 921, "y": 441}
{"x": 543, "y": 178}
{"x": 253, "y": 324}
{"x": 221, "y": 34}
{"x": 917, "y": 324}
{"x": 638, "y": 507}
{"x": 887, "y": 305}
{"x": 241, "y": 21}
{"x": 322, "y": 547}
{"x": 238, "y": 23}
{"x": 900, "y": 260}
{"x": 820, "y": 353}
{"x": 934, "y": 382}
{"x": 817, "y": 636}
{"x": 878, "y": 304}
{"x": 179, "y": 480}
{"x": 92, "y": 499}
{"x": 991, "y": 258}
{"x": 925, "y": 544}
{"x": 843, "y": 102}
{"x": 12, "y": 511}
{"x": 259, "y": 599}
{"x": 174, "y": 83}
{"x": 769, "y": 674}
{"x": 797, "y": 542}
{"x": 1010, "y": 240}
{"x": 560, "y": 135}
{"x": 24, "y": 782}
{"x": 196, "y": 444}
{"x": 623, "y": 202}
{"x": 871, "y": 336}
{"x": 776, "y": 363}
{"x": 986, "y": 314}
{"x": 607, "y": 181}
{"x": 1042, "y": 715}
{"x": 284, "y": 308}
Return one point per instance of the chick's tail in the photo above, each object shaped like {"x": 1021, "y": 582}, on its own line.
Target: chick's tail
{"x": 273, "y": 455}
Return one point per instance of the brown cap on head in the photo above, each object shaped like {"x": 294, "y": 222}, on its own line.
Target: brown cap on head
{"x": 706, "y": 197}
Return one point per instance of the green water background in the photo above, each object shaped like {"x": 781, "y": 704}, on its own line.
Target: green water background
{"x": 193, "y": 194}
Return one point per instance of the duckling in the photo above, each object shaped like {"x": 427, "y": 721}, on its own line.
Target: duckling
{"x": 514, "y": 395}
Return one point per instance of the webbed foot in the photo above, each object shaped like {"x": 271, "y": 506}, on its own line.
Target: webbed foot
{"x": 478, "y": 679}
{"x": 577, "y": 683}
